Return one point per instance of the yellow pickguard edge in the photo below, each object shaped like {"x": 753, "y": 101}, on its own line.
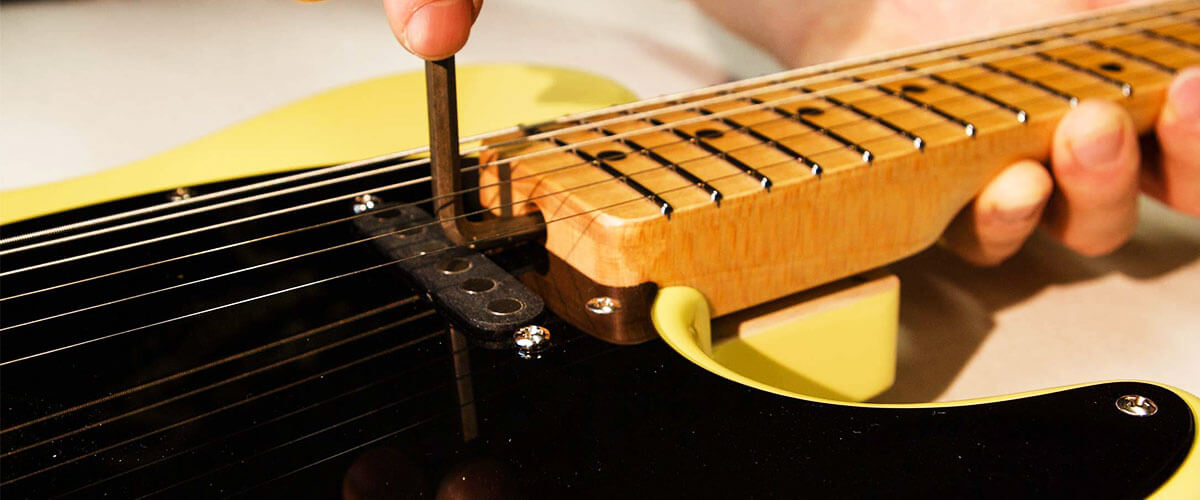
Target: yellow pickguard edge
{"x": 361, "y": 120}
{"x": 681, "y": 316}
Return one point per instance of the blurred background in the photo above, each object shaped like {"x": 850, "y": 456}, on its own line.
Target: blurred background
{"x": 90, "y": 85}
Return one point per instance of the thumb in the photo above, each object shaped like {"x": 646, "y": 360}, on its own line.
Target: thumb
{"x": 432, "y": 29}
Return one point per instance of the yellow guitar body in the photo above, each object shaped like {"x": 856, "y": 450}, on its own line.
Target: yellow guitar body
{"x": 362, "y": 120}
{"x": 794, "y": 356}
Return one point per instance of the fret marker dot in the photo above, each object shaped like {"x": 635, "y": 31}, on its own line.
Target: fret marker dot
{"x": 912, "y": 88}
{"x": 1112, "y": 67}
{"x": 709, "y": 133}
{"x": 809, "y": 111}
{"x": 610, "y": 155}
{"x": 1033, "y": 42}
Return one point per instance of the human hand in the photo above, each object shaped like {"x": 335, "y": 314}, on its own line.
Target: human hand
{"x": 432, "y": 29}
{"x": 1087, "y": 198}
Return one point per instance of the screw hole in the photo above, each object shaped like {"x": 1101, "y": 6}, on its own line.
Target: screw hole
{"x": 478, "y": 285}
{"x": 505, "y": 306}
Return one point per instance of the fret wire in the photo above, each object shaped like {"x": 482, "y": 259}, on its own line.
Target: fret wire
{"x": 922, "y": 53}
{"x": 917, "y": 141}
{"x": 968, "y": 127}
{"x": 713, "y": 193}
{"x": 935, "y": 68}
{"x": 344, "y": 219}
{"x": 1100, "y": 15}
{"x": 1129, "y": 55}
{"x": 774, "y": 144}
{"x": 659, "y": 123}
{"x": 663, "y": 207}
{"x": 1022, "y": 115}
{"x": 1071, "y": 99}
{"x": 1179, "y": 42}
{"x": 867, "y": 156}
{"x": 763, "y": 180}
{"x": 857, "y": 79}
{"x": 374, "y": 237}
{"x": 1125, "y": 88}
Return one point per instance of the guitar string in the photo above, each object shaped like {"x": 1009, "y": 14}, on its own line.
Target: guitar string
{"x": 683, "y": 107}
{"x": 286, "y": 259}
{"x": 295, "y": 383}
{"x": 700, "y": 118}
{"x": 886, "y": 64}
{"x": 370, "y": 268}
{"x": 300, "y": 286}
{"x": 683, "y": 188}
{"x": 256, "y": 396}
{"x": 483, "y": 210}
{"x": 259, "y": 216}
{"x": 213, "y": 385}
{"x": 394, "y": 432}
{"x": 384, "y": 437}
{"x": 493, "y": 369}
{"x": 234, "y": 357}
{"x": 874, "y": 60}
{"x": 256, "y": 425}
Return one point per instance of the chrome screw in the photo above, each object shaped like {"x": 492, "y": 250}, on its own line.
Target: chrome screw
{"x": 531, "y": 340}
{"x": 180, "y": 194}
{"x": 365, "y": 202}
{"x": 1138, "y": 406}
{"x": 602, "y": 305}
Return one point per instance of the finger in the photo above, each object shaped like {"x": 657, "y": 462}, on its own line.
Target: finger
{"x": 432, "y": 29}
{"x": 995, "y": 225}
{"x": 1175, "y": 179}
{"x": 1095, "y": 165}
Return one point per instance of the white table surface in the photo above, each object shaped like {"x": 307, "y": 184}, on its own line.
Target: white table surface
{"x": 86, "y": 86}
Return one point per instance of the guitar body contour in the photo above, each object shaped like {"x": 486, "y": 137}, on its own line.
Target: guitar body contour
{"x": 349, "y": 384}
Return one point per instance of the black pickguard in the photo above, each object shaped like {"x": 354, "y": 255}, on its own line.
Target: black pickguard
{"x": 347, "y": 387}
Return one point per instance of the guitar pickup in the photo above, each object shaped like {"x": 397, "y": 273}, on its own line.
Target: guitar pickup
{"x": 469, "y": 288}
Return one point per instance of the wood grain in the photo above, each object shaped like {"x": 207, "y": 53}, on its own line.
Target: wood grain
{"x": 759, "y": 245}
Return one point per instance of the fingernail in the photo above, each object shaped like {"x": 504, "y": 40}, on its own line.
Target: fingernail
{"x": 1097, "y": 135}
{"x": 1013, "y": 215}
{"x": 420, "y": 34}
{"x": 1183, "y": 98}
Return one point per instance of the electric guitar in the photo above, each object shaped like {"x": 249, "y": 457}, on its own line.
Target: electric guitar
{"x": 598, "y": 305}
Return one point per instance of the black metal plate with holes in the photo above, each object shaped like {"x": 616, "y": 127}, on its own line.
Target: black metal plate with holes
{"x": 469, "y": 288}
{"x": 260, "y": 374}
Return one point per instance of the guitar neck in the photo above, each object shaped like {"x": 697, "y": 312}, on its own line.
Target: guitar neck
{"x": 754, "y": 190}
